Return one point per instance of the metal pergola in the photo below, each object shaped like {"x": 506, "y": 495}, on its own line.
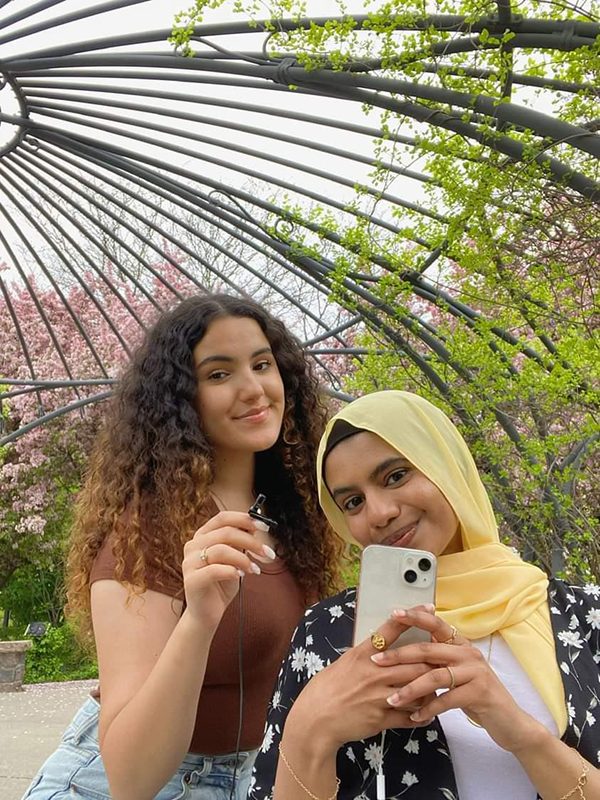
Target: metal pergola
{"x": 119, "y": 154}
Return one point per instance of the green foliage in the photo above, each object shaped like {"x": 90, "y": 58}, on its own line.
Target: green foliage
{"x": 57, "y": 656}
{"x": 32, "y": 593}
{"x": 351, "y": 569}
{"x": 12, "y": 633}
{"x": 485, "y": 298}
{"x": 36, "y": 509}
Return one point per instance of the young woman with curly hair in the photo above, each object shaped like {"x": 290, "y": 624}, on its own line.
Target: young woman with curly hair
{"x": 219, "y": 404}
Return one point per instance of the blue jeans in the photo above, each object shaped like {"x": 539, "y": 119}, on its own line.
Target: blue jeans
{"x": 75, "y": 769}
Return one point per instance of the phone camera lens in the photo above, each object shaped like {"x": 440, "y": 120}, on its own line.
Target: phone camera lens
{"x": 424, "y": 564}
{"x": 410, "y": 576}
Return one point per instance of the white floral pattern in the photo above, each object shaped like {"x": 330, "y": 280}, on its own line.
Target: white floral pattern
{"x": 571, "y": 638}
{"x": 374, "y": 755}
{"x": 299, "y": 660}
{"x": 268, "y": 739}
{"x": 593, "y": 618}
{"x": 579, "y": 648}
{"x": 417, "y": 762}
{"x": 314, "y": 664}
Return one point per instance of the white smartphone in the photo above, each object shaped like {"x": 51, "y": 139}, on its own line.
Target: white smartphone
{"x": 393, "y": 577}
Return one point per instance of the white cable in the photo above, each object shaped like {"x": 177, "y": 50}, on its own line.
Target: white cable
{"x": 381, "y": 795}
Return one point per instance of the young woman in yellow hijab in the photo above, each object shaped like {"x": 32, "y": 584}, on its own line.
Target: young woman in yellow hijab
{"x": 501, "y": 705}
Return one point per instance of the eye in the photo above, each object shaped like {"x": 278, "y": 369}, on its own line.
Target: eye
{"x": 396, "y": 476}
{"x": 352, "y": 504}
{"x": 262, "y": 365}
{"x": 217, "y": 375}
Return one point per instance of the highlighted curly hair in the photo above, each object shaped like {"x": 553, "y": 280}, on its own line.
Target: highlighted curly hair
{"x": 153, "y": 460}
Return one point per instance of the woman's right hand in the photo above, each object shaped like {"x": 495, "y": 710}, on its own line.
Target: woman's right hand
{"x": 211, "y": 583}
{"x": 347, "y": 701}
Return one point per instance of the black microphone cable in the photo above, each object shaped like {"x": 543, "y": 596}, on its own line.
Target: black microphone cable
{"x": 241, "y": 680}
{"x": 256, "y": 513}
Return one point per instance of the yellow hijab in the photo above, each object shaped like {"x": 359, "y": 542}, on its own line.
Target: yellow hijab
{"x": 486, "y": 588}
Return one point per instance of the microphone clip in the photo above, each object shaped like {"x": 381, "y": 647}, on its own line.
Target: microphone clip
{"x": 256, "y": 512}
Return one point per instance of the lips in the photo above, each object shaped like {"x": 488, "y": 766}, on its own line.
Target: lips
{"x": 402, "y": 537}
{"x": 255, "y": 414}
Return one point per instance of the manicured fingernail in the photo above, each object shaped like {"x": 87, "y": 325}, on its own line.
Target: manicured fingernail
{"x": 393, "y": 700}
{"x": 430, "y": 607}
{"x": 416, "y": 716}
{"x": 241, "y": 573}
{"x": 269, "y": 552}
{"x": 255, "y": 568}
{"x": 398, "y": 612}
{"x": 378, "y": 657}
{"x": 260, "y": 526}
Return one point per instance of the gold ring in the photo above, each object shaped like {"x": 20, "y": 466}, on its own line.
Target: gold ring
{"x": 378, "y": 642}
{"x": 452, "y": 636}
{"x": 452, "y": 678}
{"x": 204, "y": 555}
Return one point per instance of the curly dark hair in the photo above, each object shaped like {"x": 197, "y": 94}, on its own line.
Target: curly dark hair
{"x": 152, "y": 459}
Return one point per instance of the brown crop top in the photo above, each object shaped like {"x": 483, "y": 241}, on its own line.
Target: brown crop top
{"x": 273, "y": 605}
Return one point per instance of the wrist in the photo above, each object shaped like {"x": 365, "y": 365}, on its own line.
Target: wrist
{"x": 308, "y": 735}
{"x": 532, "y": 738}
{"x": 192, "y": 626}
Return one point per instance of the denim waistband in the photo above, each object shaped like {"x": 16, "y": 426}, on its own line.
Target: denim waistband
{"x": 85, "y": 721}
{"x": 195, "y": 761}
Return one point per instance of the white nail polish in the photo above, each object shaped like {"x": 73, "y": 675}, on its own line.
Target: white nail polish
{"x": 241, "y": 573}
{"x": 255, "y": 568}
{"x": 269, "y": 552}
{"x": 261, "y": 526}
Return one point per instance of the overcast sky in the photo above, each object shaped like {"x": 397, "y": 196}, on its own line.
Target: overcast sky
{"x": 232, "y": 167}
{"x": 157, "y": 14}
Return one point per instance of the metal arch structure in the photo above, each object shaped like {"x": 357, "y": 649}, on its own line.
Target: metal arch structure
{"x": 121, "y": 153}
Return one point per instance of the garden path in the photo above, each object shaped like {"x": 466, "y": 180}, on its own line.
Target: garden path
{"x": 31, "y": 724}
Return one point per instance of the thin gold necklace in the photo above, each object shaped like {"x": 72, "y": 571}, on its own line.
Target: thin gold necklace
{"x": 489, "y": 655}
{"x": 218, "y": 499}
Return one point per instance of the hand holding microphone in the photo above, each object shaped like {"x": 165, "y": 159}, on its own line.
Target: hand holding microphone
{"x": 215, "y": 558}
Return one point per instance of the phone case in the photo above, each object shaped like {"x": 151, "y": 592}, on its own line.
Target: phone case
{"x": 383, "y": 586}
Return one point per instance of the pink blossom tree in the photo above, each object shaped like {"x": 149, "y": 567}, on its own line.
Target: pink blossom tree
{"x": 41, "y": 472}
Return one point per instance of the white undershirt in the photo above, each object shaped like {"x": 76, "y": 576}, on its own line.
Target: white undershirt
{"x": 483, "y": 770}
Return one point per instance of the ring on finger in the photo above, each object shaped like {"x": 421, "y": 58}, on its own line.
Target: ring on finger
{"x": 452, "y": 677}
{"x": 204, "y": 555}
{"x": 378, "y": 641}
{"x": 452, "y": 636}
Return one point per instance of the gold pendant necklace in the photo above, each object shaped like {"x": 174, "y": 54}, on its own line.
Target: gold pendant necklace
{"x": 489, "y": 655}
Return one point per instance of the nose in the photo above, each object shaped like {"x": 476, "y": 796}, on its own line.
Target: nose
{"x": 250, "y": 385}
{"x": 382, "y": 508}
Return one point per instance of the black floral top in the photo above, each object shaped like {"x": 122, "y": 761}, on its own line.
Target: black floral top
{"x": 417, "y": 761}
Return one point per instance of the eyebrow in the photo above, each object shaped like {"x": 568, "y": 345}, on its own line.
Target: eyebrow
{"x": 376, "y": 472}
{"x": 230, "y": 359}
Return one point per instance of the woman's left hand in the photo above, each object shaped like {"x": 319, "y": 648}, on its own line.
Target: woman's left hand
{"x": 472, "y": 684}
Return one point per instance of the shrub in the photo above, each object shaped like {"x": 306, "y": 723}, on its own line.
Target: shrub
{"x": 57, "y": 656}
{"x": 12, "y": 633}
